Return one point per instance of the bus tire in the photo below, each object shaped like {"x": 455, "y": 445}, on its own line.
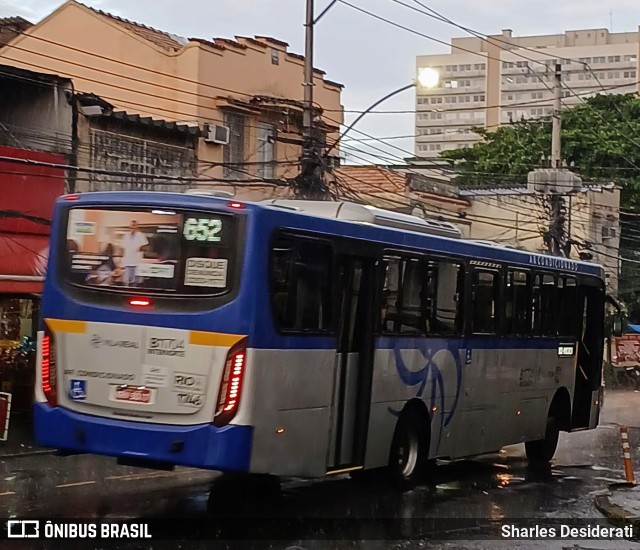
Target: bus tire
{"x": 409, "y": 451}
{"x": 542, "y": 450}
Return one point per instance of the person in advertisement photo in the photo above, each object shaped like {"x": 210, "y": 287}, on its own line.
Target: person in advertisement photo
{"x": 123, "y": 248}
{"x": 133, "y": 245}
{"x": 107, "y": 272}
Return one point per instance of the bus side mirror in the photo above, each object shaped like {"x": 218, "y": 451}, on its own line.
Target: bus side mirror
{"x": 617, "y": 325}
{"x": 616, "y": 318}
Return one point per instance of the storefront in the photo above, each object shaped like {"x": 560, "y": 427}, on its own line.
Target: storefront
{"x": 27, "y": 196}
{"x": 18, "y": 326}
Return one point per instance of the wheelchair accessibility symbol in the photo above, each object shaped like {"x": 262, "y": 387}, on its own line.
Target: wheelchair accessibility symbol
{"x": 78, "y": 390}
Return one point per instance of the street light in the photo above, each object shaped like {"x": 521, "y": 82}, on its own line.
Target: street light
{"x": 427, "y": 78}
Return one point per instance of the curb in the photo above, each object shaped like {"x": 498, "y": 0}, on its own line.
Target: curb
{"x": 614, "y": 513}
{"x": 25, "y": 454}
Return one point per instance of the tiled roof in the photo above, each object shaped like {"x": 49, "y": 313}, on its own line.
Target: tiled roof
{"x": 10, "y": 27}
{"x": 371, "y": 179}
{"x": 206, "y": 42}
{"x": 231, "y": 43}
{"x": 15, "y": 22}
{"x": 252, "y": 41}
{"x": 159, "y": 38}
{"x": 272, "y": 41}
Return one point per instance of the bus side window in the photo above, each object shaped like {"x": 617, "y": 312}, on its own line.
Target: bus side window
{"x": 444, "y": 291}
{"x": 484, "y": 302}
{"x": 544, "y": 306}
{"x": 401, "y": 310}
{"x": 410, "y": 307}
{"x": 536, "y": 322}
{"x": 569, "y": 315}
{"x": 390, "y": 294}
{"x": 300, "y": 284}
{"x": 515, "y": 305}
{"x": 549, "y": 306}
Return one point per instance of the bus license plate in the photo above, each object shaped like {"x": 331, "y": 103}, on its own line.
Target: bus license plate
{"x": 132, "y": 394}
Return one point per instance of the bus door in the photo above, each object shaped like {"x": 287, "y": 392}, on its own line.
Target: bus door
{"x": 590, "y": 355}
{"x": 355, "y": 282}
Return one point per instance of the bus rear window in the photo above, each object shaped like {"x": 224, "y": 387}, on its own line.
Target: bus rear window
{"x": 151, "y": 250}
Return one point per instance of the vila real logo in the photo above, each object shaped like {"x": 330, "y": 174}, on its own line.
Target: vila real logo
{"x": 98, "y": 341}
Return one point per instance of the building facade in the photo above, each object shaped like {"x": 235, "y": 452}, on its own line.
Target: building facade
{"x": 240, "y": 98}
{"x": 35, "y": 141}
{"x": 490, "y": 82}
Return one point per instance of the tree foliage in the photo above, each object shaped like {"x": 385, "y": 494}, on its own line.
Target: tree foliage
{"x": 600, "y": 137}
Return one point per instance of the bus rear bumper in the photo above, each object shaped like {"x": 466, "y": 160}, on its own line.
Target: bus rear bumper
{"x": 199, "y": 446}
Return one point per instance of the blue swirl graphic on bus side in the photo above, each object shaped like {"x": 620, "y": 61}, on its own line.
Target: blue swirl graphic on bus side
{"x": 432, "y": 371}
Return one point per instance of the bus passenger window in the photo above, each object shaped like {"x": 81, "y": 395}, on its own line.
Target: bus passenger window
{"x": 569, "y": 319}
{"x": 515, "y": 306}
{"x": 549, "y": 306}
{"x": 402, "y": 296}
{"x": 300, "y": 285}
{"x": 390, "y": 294}
{"x": 485, "y": 297}
{"x": 544, "y": 307}
{"x": 443, "y": 298}
{"x": 410, "y": 307}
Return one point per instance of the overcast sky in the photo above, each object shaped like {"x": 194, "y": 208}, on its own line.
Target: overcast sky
{"x": 370, "y": 57}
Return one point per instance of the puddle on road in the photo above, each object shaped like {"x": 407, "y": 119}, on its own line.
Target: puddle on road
{"x": 609, "y": 480}
{"x": 603, "y": 469}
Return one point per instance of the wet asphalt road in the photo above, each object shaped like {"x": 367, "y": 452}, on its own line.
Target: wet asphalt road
{"x": 466, "y": 502}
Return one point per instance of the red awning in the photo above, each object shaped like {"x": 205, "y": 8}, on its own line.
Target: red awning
{"x": 27, "y": 195}
{"x": 24, "y": 261}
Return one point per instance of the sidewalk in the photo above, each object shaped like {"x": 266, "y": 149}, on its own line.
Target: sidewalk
{"x": 621, "y": 505}
{"x": 20, "y": 438}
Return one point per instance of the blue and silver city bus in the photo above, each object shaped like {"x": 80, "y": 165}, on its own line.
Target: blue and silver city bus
{"x": 301, "y": 338}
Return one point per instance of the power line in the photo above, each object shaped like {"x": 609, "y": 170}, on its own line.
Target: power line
{"x": 150, "y": 108}
{"x": 484, "y": 37}
{"x": 590, "y": 224}
{"x": 413, "y": 31}
{"x": 106, "y": 172}
{"x": 180, "y": 79}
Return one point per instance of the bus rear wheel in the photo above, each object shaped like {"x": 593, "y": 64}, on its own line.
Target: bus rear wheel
{"x": 542, "y": 450}
{"x": 409, "y": 451}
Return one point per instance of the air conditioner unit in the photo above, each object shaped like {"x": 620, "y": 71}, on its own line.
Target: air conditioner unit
{"x": 216, "y": 133}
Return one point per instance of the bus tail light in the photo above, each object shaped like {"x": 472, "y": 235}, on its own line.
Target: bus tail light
{"x": 139, "y": 302}
{"x": 231, "y": 385}
{"x": 48, "y": 369}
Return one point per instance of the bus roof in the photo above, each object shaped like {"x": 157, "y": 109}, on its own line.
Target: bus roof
{"x": 371, "y": 224}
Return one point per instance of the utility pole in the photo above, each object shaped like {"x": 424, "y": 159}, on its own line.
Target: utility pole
{"x": 307, "y": 121}
{"x": 557, "y": 234}
{"x": 556, "y": 157}
{"x": 310, "y": 183}
{"x": 556, "y": 181}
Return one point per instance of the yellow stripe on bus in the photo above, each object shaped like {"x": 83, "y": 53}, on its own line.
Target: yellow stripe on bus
{"x": 64, "y": 325}
{"x": 199, "y": 338}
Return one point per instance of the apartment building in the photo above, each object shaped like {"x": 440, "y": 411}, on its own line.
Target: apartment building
{"x": 490, "y": 82}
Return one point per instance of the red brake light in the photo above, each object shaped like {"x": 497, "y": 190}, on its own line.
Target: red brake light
{"x": 48, "y": 369}
{"x": 71, "y": 197}
{"x": 139, "y": 302}
{"x": 231, "y": 384}
{"x": 236, "y": 205}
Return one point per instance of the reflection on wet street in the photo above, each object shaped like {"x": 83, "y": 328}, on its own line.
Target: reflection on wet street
{"x": 465, "y": 501}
